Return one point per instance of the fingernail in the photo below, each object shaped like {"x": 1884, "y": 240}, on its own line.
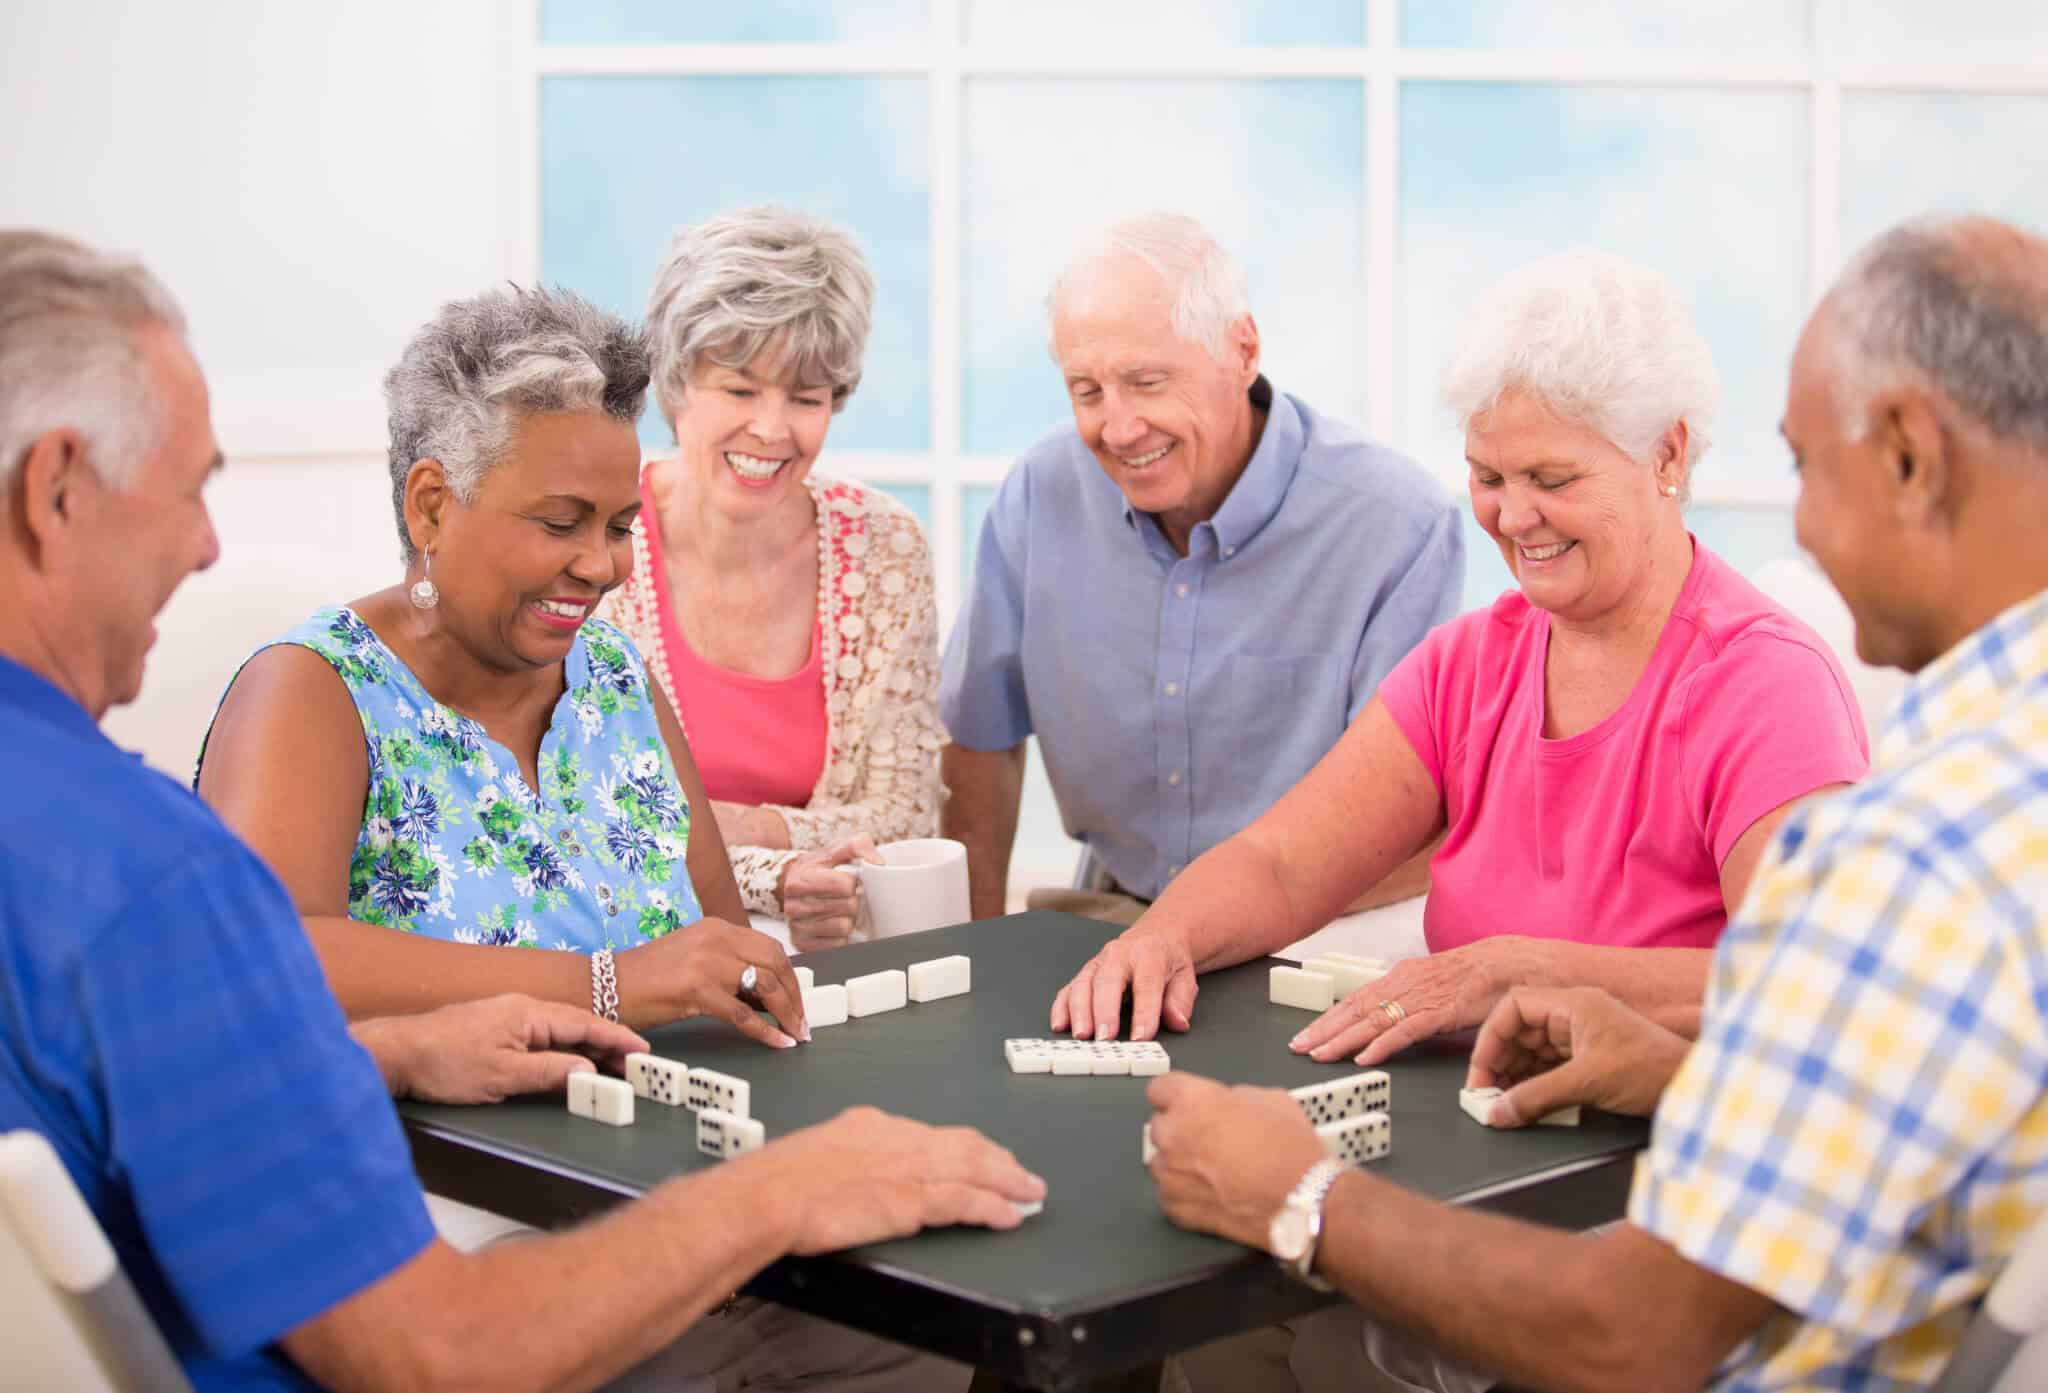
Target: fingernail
{"x": 1298, "y": 1041}
{"x": 807, "y": 1034}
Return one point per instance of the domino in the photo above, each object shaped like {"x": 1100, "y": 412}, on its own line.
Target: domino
{"x": 1148, "y": 1057}
{"x": 805, "y": 978}
{"x": 658, "y": 1080}
{"x": 1563, "y": 1117}
{"x": 1108, "y": 1058}
{"x": 1148, "y": 1150}
{"x": 599, "y": 1099}
{"x": 722, "y": 1134}
{"x": 1356, "y": 1140}
{"x": 825, "y": 1005}
{"x": 721, "y": 1092}
{"x": 940, "y": 978}
{"x": 1478, "y": 1105}
{"x": 877, "y": 992}
{"x": 1358, "y": 959}
{"x": 1290, "y": 986}
{"x": 1346, "y": 975}
{"x": 1072, "y": 1056}
{"x": 1028, "y": 1056}
{"x": 1371, "y": 1091}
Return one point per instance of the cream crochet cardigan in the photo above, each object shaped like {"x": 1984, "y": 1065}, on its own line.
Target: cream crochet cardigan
{"x": 879, "y": 649}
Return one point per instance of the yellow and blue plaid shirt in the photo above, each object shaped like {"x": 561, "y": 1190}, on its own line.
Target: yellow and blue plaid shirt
{"x": 1861, "y": 1133}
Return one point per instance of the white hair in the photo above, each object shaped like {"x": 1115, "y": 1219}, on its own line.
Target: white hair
{"x": 1959, "y": 304}
{"x": 761, "y": 279}
{"x": 1206, "y": 283}
{"x": 1598, "y": 340}
{"x": 477, "y": 367}
{"x": 69, "y": 356}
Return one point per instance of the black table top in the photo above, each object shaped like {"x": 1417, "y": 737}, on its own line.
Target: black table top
{"x": 1101, "y": 1256}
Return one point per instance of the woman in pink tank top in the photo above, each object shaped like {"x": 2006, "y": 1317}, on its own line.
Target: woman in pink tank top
{"x": 1601, "y": 757}
{"x": 790, "y": 617}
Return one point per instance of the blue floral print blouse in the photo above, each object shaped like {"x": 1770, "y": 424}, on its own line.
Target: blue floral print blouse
{"x": 455, "y": 844}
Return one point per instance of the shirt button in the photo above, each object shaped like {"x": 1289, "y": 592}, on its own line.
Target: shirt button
{"x": 1181, "y": 590}
{"x": 1230, "y": 551}
{"x": 1174, "y": 869}
{"x": 1173, "y": 779}
{"x": 1173, "y": 689}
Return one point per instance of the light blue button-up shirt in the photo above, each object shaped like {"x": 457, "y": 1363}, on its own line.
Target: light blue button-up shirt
{"x": 1175, "y": 698}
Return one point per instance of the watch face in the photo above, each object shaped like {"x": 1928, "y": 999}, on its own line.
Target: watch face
{"x": 1288, "y": 1234}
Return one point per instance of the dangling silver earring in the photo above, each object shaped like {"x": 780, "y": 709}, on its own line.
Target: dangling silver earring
{"x": 423, "y": 593}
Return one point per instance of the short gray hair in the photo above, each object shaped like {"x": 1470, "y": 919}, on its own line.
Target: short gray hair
{"x": 1597, "y": 339}
{"x": 1953, "y": 303}
{"x": 1208, "y": 286}
{"x": 68, "y": 355}
{"x": 757, "y": 279}
{"x": 479, "y": 366}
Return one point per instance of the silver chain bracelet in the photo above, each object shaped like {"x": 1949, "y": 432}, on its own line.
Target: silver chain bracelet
{"x": 604, "y": 985}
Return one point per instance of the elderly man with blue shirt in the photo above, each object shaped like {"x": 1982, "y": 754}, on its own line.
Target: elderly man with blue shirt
{"x": 1187, "y": 595}
{"x": 165, "y": 1026}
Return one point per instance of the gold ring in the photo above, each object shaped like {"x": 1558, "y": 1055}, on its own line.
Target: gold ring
{"x": 1395, "y": 1015}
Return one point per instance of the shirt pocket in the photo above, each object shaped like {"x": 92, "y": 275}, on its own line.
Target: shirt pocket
{"x": 1292, "y": 708}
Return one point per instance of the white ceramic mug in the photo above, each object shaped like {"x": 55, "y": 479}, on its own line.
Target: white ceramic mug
{"x": 922, "y": 884}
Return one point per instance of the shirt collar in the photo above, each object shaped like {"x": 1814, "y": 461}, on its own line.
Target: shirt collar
{"x": 42, "y": 700}
{"x": 1967, "y": 686}
{"x": 1257, "y": 494}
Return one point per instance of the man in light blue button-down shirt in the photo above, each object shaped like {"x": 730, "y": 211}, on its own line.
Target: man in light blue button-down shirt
{"x": 1188, "y": 594}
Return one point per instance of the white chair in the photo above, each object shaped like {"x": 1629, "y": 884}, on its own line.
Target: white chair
{"x": 68, "y": 1317}
{"x": 1798, "y": 585}
{"x": 2004, "y": 1350}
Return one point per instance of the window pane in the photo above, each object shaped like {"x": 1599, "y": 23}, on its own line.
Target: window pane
{"x": 1274, "y": 169}
{"x": 1746, "y": 538}
{"x": 1707, "y": 187}
{"x": 1755, "y": 27}
{"x": 1914, "y": 31}
{"x": 974, "y": 504}
{"x": 752, "y": 22}
{"x": 916, "y": 497}
{"x": 1909, "y": 153}
{"x": 627, "y": 160}
{"x": 1093, "y": 22}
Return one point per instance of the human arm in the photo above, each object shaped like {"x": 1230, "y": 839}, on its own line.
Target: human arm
{"x": 984, "y": 789}
{"x": 574, "y": 1310}
{"x": 1538, "y": 1307}
{"x": 491, "y": 1050}
{"x": 1404, "y": 882}
{"x": 1366, "y": 807}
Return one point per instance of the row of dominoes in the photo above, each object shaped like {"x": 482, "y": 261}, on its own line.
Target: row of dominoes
{"x": 1478, "y": 1105}
{"x": 720, "y": 1101}
{"x": 1353, "y": 1140}
{"x": 1322, "y": 981}
{"x": 884, "y": 991}
{"x": 1079, "y": 1057}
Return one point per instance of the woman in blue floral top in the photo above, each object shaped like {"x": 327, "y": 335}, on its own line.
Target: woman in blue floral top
{"x": 468, "y": 764}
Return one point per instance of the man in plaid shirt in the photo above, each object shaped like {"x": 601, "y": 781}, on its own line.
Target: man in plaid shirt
{"x": 1859, "y": 1137}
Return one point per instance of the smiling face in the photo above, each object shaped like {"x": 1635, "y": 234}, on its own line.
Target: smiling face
{"x": 1575, "y": 518}
{"x": 521, "y": 566}
{"x": 749, "y": 435}
{"x": 1169, "y": 422}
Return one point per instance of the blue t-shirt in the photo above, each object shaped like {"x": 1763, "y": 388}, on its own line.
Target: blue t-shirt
{"x": 164, "y": 1023}
{"x": 1175, "y": 698}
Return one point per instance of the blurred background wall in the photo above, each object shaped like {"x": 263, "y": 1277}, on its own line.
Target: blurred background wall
{"x": 313, "y": 180}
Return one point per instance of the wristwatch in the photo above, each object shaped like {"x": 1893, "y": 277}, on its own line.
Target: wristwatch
{"x": 1294, "y": 1231}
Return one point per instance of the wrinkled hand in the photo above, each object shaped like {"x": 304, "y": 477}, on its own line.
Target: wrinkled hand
{"x": 866, "y": 1176}
{"x": 822, "y": 904}
{"x": 488, "y": 1051}
{"x": 1553, "y": 1047}
{"x": 1227, "y": 1157}
{"x": 1153, "y": 964}
{"x": 695, "y": 971}
{"x": 1441, "y": 993}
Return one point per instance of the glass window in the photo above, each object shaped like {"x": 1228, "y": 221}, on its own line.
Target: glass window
{"x": 627, "y": 160}
{"x": 974, "y": 505}
{"x": 1909, "y": 153}
{"x": 916, "y": 497}
{"x": 1709, "y": 188}
{"x": 1770, "y": 28}
{"x": 1274, "y": 169}
{"x": 1233, "y": 22}
{"x": 752, "y": 22}
{"x": 1746, "y": 538}
{"x": 1914, "y": 31}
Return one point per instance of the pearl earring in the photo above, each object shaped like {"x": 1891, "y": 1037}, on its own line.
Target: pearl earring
{"x": 423, "y": 593}
{"x": 1671, "y": 491}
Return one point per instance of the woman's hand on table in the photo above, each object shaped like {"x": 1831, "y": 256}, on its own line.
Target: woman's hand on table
{"x": 821, "y": 902}
{"x": 867, "y": 1175}
{"x": 1226, "y": 1158}
{"x": 490, "y": 1050}
{"x": 696, "y": 971}
{"x": 750, "y": 824}
{"x": 1435, "y": 995}
{"x": 1552, "y": 1047}
{"x": 1157, "y": 969}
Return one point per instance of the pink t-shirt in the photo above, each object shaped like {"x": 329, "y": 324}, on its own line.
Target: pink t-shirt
{"x": 755, "y": 739}
{"x": 1616, "y": 835}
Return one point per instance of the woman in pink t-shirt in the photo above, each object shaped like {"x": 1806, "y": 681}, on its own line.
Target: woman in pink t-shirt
{"x": 789, "y": 617}
{"x": 1605, "y": 752}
